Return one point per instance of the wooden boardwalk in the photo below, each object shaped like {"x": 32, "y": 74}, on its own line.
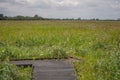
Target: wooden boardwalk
{"x": 50, "y": 69}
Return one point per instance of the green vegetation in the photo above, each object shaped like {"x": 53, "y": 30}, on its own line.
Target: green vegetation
{"x": 11, "y": 72}
{"x": 106, "y": 67}
{"x": 96, "y": 43}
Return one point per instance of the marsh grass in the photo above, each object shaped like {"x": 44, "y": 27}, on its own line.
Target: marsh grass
{"x": 11, "y": 72}
{"x": 89, "y": 40}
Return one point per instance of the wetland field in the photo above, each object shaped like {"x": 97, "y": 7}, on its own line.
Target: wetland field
{"x": 95, "y": 43}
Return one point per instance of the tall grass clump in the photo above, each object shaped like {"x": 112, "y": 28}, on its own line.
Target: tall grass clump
{"x": 58, "y": 53}
{"x": 9, "y": 71}
{"x": 102, "y": 67}
{"x": 108, "y": 67}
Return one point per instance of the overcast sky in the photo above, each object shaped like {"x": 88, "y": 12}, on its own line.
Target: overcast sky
{"x": 103, "y": 9}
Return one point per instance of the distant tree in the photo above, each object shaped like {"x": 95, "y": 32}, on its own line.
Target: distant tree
{"x": 93, "y": 19}
{"x": 5, "y": 17}
{"x": 36, "y": 16}
{"x": 97, "y": 19}
{"x": 1, "y": 16}
{"x": 19, "y": 17}
{"x": 79, "y": 18}
{"x": 118, "y": 19}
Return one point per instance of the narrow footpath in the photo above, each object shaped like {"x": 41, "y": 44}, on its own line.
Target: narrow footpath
{"x": 50, "y": 69}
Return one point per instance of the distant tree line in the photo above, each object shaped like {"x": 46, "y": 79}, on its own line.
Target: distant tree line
{"x": 19, "y": 17}
{"x": 36, "y": 17}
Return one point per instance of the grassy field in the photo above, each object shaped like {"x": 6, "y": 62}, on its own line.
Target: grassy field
{"x": 96, "y": 43}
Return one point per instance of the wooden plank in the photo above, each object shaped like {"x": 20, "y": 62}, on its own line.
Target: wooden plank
{"x": 50, "y": 69}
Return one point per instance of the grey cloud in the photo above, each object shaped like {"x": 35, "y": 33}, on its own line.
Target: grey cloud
{"x": 40, "y": 5}
{"x": 4, "y": 0}
{"x": 62, "y": 8}
{"x": 7, "y": 1}
{"x": 2, "y": 9}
